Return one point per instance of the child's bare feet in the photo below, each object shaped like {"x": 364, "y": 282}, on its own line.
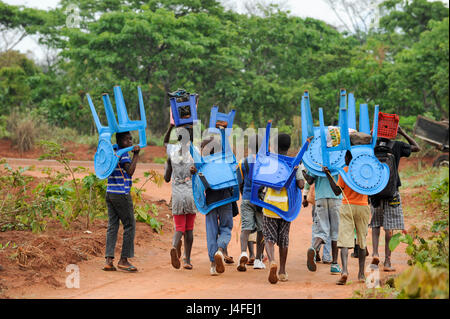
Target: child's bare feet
{"x": 273, "y": 278}
{"x": 361, "y": 277}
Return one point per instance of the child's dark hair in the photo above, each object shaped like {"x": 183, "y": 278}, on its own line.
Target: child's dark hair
{"x": 120, "y": 136}
{"x": 284, "y": 142}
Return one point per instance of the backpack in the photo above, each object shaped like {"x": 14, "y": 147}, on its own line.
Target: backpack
{"x": 385, "y": 154}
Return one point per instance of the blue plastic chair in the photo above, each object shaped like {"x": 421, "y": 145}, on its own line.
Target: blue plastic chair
{"x": 216, "y": 171}
{"x": 312, "y": 159}
{"x": 277, "y": 171}
{"x": 217, "y": 116}
{"x": 175, "y": 106}
{"x": 366, "y": 174}
{"x": 108, "y": 155}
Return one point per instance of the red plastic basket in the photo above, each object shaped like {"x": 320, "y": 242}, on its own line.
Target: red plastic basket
{"x": 387, "y": 125}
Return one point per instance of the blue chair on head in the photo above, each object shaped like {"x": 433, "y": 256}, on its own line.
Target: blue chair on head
{"x": 366, "y": 174}
{"x": 277, "y": 171}
{"x": 217, "y": 116}
{"x": 184, "y": 107}
{"x": 312, "y": 160}
{"x": 108, "y": 155}
{"x": 216, "y": 171}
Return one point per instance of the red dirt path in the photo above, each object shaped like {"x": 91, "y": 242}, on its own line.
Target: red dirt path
{"x": 156, "y": 277}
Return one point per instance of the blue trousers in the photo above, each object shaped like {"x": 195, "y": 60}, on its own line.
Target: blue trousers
{"x": 219, "y": 223}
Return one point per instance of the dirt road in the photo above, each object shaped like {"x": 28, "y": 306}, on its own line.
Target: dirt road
{"x": 157, "y": 279}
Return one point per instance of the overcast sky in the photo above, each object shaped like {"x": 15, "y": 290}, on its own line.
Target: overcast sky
{"x": 303, "y": 8}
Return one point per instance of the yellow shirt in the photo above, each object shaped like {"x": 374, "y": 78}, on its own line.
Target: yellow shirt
{"x": 278, "y": 199}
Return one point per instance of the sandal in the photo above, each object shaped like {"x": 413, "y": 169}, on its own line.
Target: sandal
{"x": 342, "y": 281}
{"x": 187, "y": 265}
{"x": 283, "y": 277}
{"x": 311, "y": 259}
{"x": 229, "y": 260}
{"x": 251, "y": 262}
{"x": 108, "y": 267}
{"x": 174, "y": 259}
{"x": 130, "y": 268}
{"x": 273, "y": 278}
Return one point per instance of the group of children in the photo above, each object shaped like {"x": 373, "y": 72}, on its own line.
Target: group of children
{"x": 338, "y": 212}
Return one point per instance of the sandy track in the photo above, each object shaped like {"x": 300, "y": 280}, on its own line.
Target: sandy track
{"x": 157, "y": 279}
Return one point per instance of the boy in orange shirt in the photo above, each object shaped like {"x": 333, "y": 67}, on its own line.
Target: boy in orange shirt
{"x": 354, "y": 214}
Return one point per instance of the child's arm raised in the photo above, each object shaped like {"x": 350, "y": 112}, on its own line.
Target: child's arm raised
{"x": 167, "y": 136}
{"x": 336, "y": 190}
{"x": 130, "y": 168}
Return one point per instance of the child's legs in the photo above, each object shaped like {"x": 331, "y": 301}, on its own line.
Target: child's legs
{"x": 345, "y": 237}
{"x": 361, "y": 217}
{"x": 113, "y": 227}
{"x": 269, "y": 232}
{"x": 180, "y": 228}
{"x": 126, "y": 215}
{"x": 247, "y": 223}
{"x": 225, "y": 214}
{"x": 212, "y": 231}
{"x": 333, "y": 213}
{"x": 189, "y": 236}
{"x": 323, "y": 222}
{"x": 283, "y": 243}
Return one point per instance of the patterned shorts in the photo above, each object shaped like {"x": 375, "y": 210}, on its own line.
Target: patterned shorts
{"x": 276, "y": 230}
{"x": 388, "y": 216}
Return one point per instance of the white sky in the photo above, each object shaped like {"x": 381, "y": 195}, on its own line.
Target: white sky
{"x": 317, "y": 9}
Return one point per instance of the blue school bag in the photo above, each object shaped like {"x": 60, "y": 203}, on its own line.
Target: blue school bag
{"x": 366, "y": 174}
{"x": 277, "y": 171}
{"x": 107, "y": 155}
{"x": 216, "y": 171}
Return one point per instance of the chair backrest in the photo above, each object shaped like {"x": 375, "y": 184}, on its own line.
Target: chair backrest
{"x": 224, "y": 117}
{"x": 313, "y": 160}
{"x": 366, "y": 175}
{"x": 106, "y": 158}
{"x": 277, "y": 172}
{"x": 177, "y": 106}
{"x": 216, "y": 171}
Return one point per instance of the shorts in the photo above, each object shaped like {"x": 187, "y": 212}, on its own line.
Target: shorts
{"x": 353, "y": 217}
{"x": 184, "y": 222}
{"x": 251, "y": 216}
{"x": 388, "y": 216}
{"x": 327, "y": 218}
{"x": 276, "y": 230}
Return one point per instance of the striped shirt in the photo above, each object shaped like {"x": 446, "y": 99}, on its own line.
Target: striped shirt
{"x": 119, "y": 182}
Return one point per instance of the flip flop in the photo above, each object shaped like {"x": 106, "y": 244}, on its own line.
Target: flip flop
{"x": 219, "y": 259}
{"x": 109, "y": 268}
{"x": 187, "y": 265}
{"x": 174, "y": 258}
{"x": 229, "y": 260}
{"x": 311, "y": 259}
{"x": 251, "y": 262}
{"x": 342, "y": 281}
{"x": 388, "y": 269}
{"x": 127, "y": 268}
{"x": 273, "y": 278}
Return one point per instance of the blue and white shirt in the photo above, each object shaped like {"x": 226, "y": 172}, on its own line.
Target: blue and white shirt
{"x": 119, "y": 182}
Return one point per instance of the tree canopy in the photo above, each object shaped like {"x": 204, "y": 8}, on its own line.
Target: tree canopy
{"x": 258, "y": 65}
